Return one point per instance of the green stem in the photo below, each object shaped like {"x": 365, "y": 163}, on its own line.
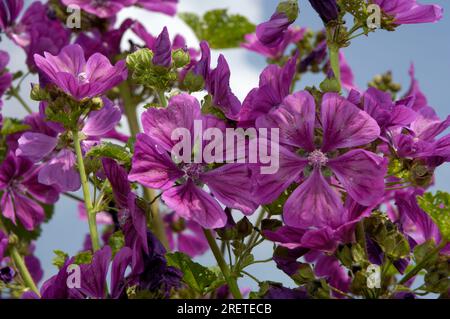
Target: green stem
{"x": 413, "y": 272}
{"x": 334, "y": 62}
{"x": 23, "y": 270}
{"x": 232, "y": 283}
{"x": 162, "y": 98}
{"x": 14, "y": 93}
{"x": 86, "y": 193}
{"x": 130, "y": 109}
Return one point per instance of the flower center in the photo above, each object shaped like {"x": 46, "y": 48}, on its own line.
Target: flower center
{"x": 317, "y": 159}
{"x": 82, "y": 77}
{"x": 192, "y": 170}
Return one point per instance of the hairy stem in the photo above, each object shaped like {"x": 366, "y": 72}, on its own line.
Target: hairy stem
{"x": 231, "y": 281}
{"x": 334, "y": 62}
{"x": 23, "y": 270}
{"x": 413, "y": 272}
{"x": 15, "y": 93}
{"x": 86, "y": 193}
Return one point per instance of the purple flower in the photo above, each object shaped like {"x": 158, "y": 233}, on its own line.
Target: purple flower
{"x": 131, "y": 216}
{"x": 80, "y": 78}
{"x": 344, "y": 126}
{"x": 182, "y": 184}
{"x": 18, "y": 181}
{"x": 7, "y": 274}
{"x": 409, "y": 11}
{"x": 34, "y": 265}
{"x": 162, "y": 49}
{"x": 328, "y": 10}
{"x": 41, "y": 145}
{"x": 157, "y": 277}
{"x": 291, "y": 36}
{"x": 9, "y": 11}
{"x": 415, "y": 222}
{"x": 106, "y": 43}
{"x": 389, "y": 115}
{"x": 185, "y": 236}
{"x": 271, "y": 33}
{"x": 5, "y": 77}
{"x": 280, "y": 292}
{"x": 102, "y": 8}
{"x": 324, "y": 237}
{"x": 168, "y": 7}
{"x": 39, "y": 32}
{"x": 274, "y": 86}
{"x": 93, "y": 277}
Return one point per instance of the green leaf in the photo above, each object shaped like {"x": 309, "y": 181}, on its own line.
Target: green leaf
{"x": 12, "y": 126}
{"x": 423, "y": 250}
{"x": 195, "y": 275}
{"x": 110, "y": 150}
{"x": 438, "y": 207}
{"x": 60, "y": 258}
{"x": 219, "y": 28}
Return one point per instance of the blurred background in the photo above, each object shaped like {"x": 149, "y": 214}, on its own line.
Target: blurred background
{"x": 427, "y": 45}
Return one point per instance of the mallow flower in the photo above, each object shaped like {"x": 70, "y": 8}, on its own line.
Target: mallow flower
{"x": 217, "y": 82}
{"x": 102, "y": 9}
{"x": 79, "y": 78}
{"x": 39, "y": 31}
{"x": 93, "y": 277}
{"x": 324, "y": 237}
{"x": 320, "y": 158}
{"x": 409, "y": 11}
{"x": 271, "y": 33}
{"x": 19, "y": 181}
{"x": 47, "y": 144}
{"x": 182, "y": 183}
{"x": 5, "y": 77}
{"x": 168, "y": 7}
{"x": 416, "y": 223}
{"x": 274, "y": 86}
{"x": 185, "y": 235}
{"x": 291, "y": 36}
{"x": 9, "y": 11}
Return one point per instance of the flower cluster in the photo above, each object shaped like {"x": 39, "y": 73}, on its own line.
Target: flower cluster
{"x": 350, "y": 192}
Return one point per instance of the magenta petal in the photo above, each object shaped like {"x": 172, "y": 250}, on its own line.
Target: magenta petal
{"x": 181, "y": 112}
{"x": 191, "y": 202}
{"x": 35, "y": 146}
{"x": 313, "y": 204}
{"x": 420, "y": 14}
{"x": 61, "y": 171}
{"x": 231, "y": 185}
{"x": 320, "y": 239}
{"x": 193, "y": 245}
{"x": 362, "y": 175}
{"x": 26, "y": 210}
{"x": 150, "y": 167}
{"x": 100, "y": 122}
{"x": 268, "y": 187}
{"x": 295, "y": 118}
{"x": 286, "y": 236}
{"x": 344, "y": 124}
{"x": 121, "y": 261}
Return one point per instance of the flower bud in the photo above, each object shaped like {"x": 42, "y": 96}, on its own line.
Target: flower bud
{"x": 180, "y": 58}
{"x": 328, "y": 10}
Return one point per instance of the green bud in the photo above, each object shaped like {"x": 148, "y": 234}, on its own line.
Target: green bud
{"x": 38, "y": 94}
{"x": 180, "y": 58}
{"x": 421, "y": 174}
{"x": 193, "y": 82}
{"x": 304, "y": 274}
{"x": 289, "y": 8}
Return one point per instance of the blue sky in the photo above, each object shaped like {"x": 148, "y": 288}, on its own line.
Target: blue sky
{"x": 427, "y": 45}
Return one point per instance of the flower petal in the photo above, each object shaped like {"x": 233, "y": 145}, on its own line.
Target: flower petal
{"x": 344, "y": 124}
{"x": 313, "y": 204}
{"x": 150, "y": 167}
{"x": 191, "y": 202}
{"x": 362, "y": 175}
